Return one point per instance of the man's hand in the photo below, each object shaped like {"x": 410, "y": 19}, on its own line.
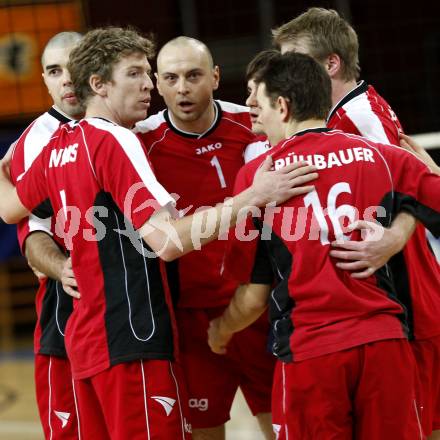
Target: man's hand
{"x": 365, "y": 257}
{"x": 218, "y": 337}
{"x": 282, "y": 184}
{"x": 68, "y": 280}
{"x": 410, "y": 145}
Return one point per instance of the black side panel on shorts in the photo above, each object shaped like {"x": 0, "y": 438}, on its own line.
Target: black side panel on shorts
{"x": 56, "y": 309}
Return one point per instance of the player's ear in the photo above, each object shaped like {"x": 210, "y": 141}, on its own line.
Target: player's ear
{"x": 283, "y": 108}
{"x": 216, "y": 77}
{"x": 333, "y": 64}
{"x": 158, "y": 84}
{"x": 98, "y": 86}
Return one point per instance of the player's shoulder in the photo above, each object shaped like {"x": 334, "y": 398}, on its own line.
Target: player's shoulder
{"x": 151, "y": 124}
{"x": 256, "y": 148}
{"x": 102, "y": 129}
{"x": 41, "y": 127}
{"x": 367, "y": 104}
{"x": 33, "y": 139}
{"x": 232, "y": 108}
{"x": 235, "y": 115}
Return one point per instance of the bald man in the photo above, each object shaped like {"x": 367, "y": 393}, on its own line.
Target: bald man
{"x": 197, "y": 145}
{"x": 53, "y": 379}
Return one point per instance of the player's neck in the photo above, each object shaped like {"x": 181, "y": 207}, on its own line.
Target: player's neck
{"x": 97, "y": 109}
{"x": 295, "y": 127}
{"x": 340, "y": 88}
{"x": 198, "y": 126}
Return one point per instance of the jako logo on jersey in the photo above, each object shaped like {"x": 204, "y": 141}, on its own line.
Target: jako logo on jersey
{"x": 166, "y": 402}
{"x": 63, "y": 416}
{"x": 200, "y": 404}
{"x": 58, "y": 158}
{"x": 208, "y": 148}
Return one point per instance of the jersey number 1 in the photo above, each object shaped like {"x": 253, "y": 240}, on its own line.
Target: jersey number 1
{"x": 216, "y": 163}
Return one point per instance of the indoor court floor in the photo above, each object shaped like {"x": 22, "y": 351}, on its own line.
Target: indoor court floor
{"x": 19, "y": 414}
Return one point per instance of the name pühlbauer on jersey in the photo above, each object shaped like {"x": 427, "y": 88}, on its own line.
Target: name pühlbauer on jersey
{"x": 333, "y": 159}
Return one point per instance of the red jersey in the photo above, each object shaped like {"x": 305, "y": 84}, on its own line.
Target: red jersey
{"x": 201, "y": 170}
{"x": 364, "y": 112}
{"x": 102, "y": 188}
{"x": 317, "y": 308}
{"x": 416, "y": 271}
{"x": 53, "y": 305}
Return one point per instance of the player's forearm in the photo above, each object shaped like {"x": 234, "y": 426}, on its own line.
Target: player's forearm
{"x": 246, "y": 306}
{"x": 178, "y": 237}
{"x": 11, "y": 208}
{"x": 401, "y": 230}
{"x": 44, "y": 254}
{"x": 171, "y": 239}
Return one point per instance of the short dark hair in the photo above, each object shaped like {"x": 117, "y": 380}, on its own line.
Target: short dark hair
{"x": 97, "y": 53}
{"x": 302, "y": 81}
{"x": 259, "y": 62}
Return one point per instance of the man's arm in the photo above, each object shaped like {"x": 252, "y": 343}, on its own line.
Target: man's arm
{"x": 246, "y": 306}
{"x": 44, "y": 255}
{"x": 171, "y": 238}
{"x": 369, "y": 255}
{"x": 11, "y": 208}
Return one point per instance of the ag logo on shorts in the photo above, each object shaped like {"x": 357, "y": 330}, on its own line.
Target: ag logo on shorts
{"x": 200, "y": 404}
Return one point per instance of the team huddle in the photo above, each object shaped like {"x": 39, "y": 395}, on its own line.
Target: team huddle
{"x": 279, "y": 247}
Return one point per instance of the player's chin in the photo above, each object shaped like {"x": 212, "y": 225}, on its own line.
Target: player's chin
{"x": 72, "y": 109}
{"x": 188, "y": 116}
{"x": 141, "y": 114}
{"x": 257, "y": 128}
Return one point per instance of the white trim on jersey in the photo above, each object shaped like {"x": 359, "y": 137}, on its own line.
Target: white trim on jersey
{"x": 38, "y": 137}
{"x": 159, "y": 140}
{"x": 136, "y": 154}
{"x": 230, "y": 107}
{"x": 35, "y": 139}
{"x": 150, "y": 124}
{"x": 40, "y": 224}
{"x": 359, "y": 111}
{"x": 199, "y": 135}
{"x": 330, "y": 114}
{"x": 57, "y": 307}
{"x": 255, "y": 149}
{"x": 88, "y": 152}
{"x": 237, "y": 123}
